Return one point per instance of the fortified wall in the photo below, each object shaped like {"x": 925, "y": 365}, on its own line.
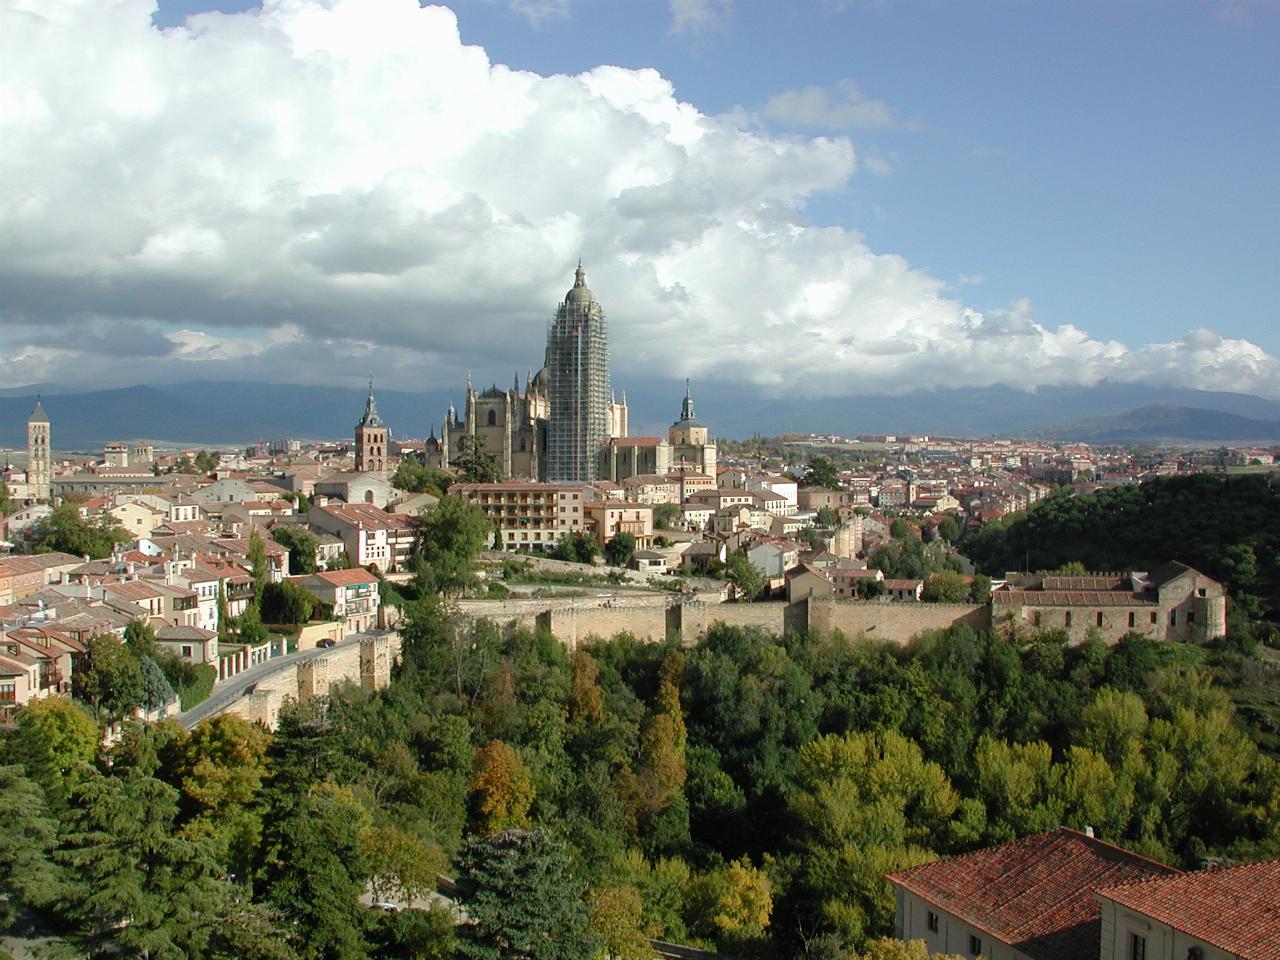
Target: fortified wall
{"x": 367, "y": 663}
{"x": 659, "y": 617}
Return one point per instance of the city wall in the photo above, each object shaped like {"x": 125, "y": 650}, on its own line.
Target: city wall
{"x": 367, "y": 663}
{"x": 660, "y": 617}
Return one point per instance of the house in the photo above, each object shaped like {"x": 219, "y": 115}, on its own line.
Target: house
{"x": 903, "y": 590}
{"x": 806, "y": 581}
{"x": 1223, "y": 914}
{"x": 352, "y": 595}
{"x": 650, "y": 561}
{"x": 611, "y": 517}
{"x": 1030, "y": 899}
{"x": 1171, "y": 602}
{"x": 529, "y": 515}
{"x": 353, "y": 487}
{"x": 190, "y": 643}
{"x": 773, "y": 558}
{"x": 369, "y": 535}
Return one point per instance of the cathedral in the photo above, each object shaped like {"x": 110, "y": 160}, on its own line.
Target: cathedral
{"x": 553, "y": 428}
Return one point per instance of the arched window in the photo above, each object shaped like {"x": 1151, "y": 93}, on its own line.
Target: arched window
{"x": 493, "y": 417}
{"x": 522, "y": 441}
{"x": 368, "y": 496}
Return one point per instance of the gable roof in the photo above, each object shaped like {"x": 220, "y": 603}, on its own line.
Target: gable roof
{"x": 1034, "y": 894}
{"x": 1236, "y": 909}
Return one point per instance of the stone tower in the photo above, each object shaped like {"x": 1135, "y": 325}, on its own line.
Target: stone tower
{"x": 582, "y": 411}
{"x": 371, "y": 439}
{"x": 39, "y": 472}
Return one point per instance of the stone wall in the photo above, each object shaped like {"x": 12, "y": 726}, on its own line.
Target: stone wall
{"x": 660, "y": 617}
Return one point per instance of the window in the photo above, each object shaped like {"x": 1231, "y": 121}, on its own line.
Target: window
{"x": 186, "y": 651}
{"x": 1067, "y": 620}
{"x": 1191, "y": 616}
{"x": 1099, "y": 618}
{"x": 493, "y": 417}
{"x": 1173, "y": 618}
{"x": 1137, "y": 947}
{"x": 933, "y": 922}
{"x": 1153, "y": 618}
{"x": 1133, "y": 619}
{"x": 975, "y": 945}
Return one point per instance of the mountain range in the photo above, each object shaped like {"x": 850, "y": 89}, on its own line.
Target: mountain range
{"x": 232, "y": 413}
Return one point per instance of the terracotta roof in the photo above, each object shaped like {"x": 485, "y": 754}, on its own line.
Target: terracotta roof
{"x": 1087, "y": 582}
{"x": 1074, "y": 598}
{"x": 1236, "y": 909}
{"x": 1034, "y": 894}
{"x": 346, "y": 578}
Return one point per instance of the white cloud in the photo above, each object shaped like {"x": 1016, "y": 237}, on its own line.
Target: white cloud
{"x": 318, "y": 189}
{"x": 538, "y": 12}
{"x": 699, "y": 16}
{"x": 845, "y": 107}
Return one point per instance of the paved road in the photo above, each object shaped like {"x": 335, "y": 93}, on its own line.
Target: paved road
{"x": 229, "y": 691}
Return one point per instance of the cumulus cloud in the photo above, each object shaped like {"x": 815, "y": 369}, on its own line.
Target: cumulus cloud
{"x": 319, "y": 189}
{"x": 844, "y": 107}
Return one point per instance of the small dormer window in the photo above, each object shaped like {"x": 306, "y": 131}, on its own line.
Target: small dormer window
{"x": 975, "y": 945}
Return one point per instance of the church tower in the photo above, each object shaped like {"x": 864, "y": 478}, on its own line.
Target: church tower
{"x": 692, "y": 449}
{"x": 39, "y": 472}
{"x": 582, "y": 409}
{"x": 371, "y": 439}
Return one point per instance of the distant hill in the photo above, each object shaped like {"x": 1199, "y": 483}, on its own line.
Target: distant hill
{"x": 227, "y": 413}
{"x": 1167, "y": 424}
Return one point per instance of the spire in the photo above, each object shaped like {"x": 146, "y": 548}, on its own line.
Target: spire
{"x": 579, "y": 275}
{"x": 686, "y": 408}
{"x": 370, "y": 418}
{"x": 38, "y": 415}
{"x": 469, "y": 383}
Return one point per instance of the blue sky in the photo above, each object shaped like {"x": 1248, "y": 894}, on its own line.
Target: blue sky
{"x": 866, "y": 194}
{"x": 1118, "y": 163}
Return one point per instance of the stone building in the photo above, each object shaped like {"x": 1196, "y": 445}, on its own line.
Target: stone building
{"x": 371, "y": 439}
{"x": 552, "y": 430}
{"x": 1171, "y": 602}
{"x": 39, "y": 462}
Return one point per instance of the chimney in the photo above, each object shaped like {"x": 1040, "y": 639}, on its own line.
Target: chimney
{"x": 1088, "y": 831}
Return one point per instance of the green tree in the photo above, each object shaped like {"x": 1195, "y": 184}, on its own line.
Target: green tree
{"x": 473, "y": 464}
{"x": 249, "y": 626}
{"x": 300, "y": 544}
{"x": 945, "y": 587}
{"x": 620, "y": 549}
{"x": 224, "y": 615}
{"x": 980, "y": 589}
{"x": 257, "y": 556}
{"x": 747, "y": 577}
{"x": 821, "y": 473}
{"x": 450, "y": 539}
{"x": 402, "y": 865}
{"x": 156, "y": 689}
{"x": 412, "y": 477}
{"x": 577, "y": 547}
{"x": 522, "y": 900}
{"x": 828, "y": 518}
{"x": 140, "y": 639}
{"x": 28, "y": 875}
{"x": 8, "y": 505}
{"x": 65, "y": 531}
{"x": 666, "y": 515}
{"x": 617, "y": 920}
{"x": 287, "y": 603}
{"x": 949, "y": 529}
{"x": 109, "y": 677}
{"x": 899, "y": 529}
{"x": 54, "y": 737}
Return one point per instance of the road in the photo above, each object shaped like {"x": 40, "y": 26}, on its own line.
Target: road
{"x": 229, "y": 691}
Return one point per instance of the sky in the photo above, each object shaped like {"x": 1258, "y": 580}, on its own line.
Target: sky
{"x": 821, "y": 198}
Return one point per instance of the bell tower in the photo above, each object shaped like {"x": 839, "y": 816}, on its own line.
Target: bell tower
{"x": 371, "y": 439}
{"x": 39, "y": 474}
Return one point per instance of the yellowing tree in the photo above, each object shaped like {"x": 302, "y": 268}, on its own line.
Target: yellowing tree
{"x": 501, "y": 789}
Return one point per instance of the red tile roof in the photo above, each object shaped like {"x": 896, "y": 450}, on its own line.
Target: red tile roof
{"x": 1236, "y": 909}
{"x": 346, "y": 578}
{"x": 1034, "y": 894}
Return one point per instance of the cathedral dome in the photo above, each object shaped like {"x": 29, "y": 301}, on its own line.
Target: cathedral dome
{"x": 542, "y": 378}
{"x": 580, "y": 292}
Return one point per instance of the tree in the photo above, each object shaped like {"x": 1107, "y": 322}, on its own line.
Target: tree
{"x": 980, "y": 589}
{"x": 734, "y": 901}
{"x": 620, "y": 549}
{"x": 522, "y": 900}
{"x": 473, "y": 464}
{"x": 258, "y": 564}
{"x": 887, "y": 948}
{"x": 156, "y": 689}
{"x": 8, "y": 505}
{"x": 28, "y": 875}
{"x": 666, "y": 515}
{"x": 744, "y": 573}
{"x": 617, "y": 919}
{"x": 501, "y": 789}
{"x": 300, "y": 544}
{"x": 945, "y": 587}
{"x": 949, "y": 529}
{"x": 65, "y": 531}
{"x": 412, "y": 477}
{"x": 140, "y": 639}
{"x": 828, "y": 518}
{"x": 109, "y": 678}
{"x": 287, "y": 603}
{"x": 224, "y": 614}
{"x": 577, "y": 547}
{"x": 899, "y": 529}
{"x": 450, "y": 539}
{"x": 249, "y": 626}
{"x": 402, "y": 865}
{"x": 54, "y": 737}
{"x": 821, "y": 473}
